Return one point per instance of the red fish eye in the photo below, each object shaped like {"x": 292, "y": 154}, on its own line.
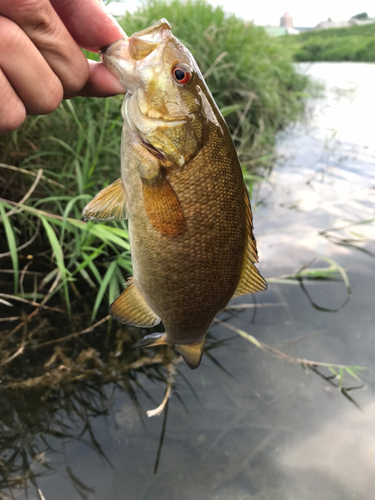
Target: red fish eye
{"x": 182, "y": 74}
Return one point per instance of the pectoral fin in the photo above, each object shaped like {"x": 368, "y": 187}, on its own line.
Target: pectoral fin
{"x": 131, "y": 308}
{"x": 192, "y": 353}
{"x": 251, "y": 281}
{"x": 108, "y": 204}
{"x": 162, "y": 207}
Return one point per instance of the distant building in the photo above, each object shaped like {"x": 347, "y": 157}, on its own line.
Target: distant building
{"x": 286, "y": 21}
{"x": 285, "y": 28}
{"x": 342, "y": 24}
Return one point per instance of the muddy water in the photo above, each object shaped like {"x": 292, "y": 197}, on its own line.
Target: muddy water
{"x": 246, "y": 425}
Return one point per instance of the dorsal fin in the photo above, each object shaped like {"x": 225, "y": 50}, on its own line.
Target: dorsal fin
{"x": 162, "y": 207}
{"x": 131, "y": 308}
{"x": 251, "y": 281}
{"x": 108, "y": 204}
{"x": 192, "y": 353}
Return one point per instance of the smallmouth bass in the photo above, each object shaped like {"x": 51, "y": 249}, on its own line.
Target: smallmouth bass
{"x": 183, "y": 193}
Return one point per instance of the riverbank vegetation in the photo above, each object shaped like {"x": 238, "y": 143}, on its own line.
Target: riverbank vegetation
{"x": 355, "y": 43}
{"x": 53, "y": 165}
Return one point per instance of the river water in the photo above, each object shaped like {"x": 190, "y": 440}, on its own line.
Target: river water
{"x": 247, "y": 425}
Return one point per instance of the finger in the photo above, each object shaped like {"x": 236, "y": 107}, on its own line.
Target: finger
{"x": 13, "y": 112}
{"x": 36, "y": 84}
{"x": 101, "y": 83}
{"x": 42, "y": 25}
{"x": 88, "y": 23}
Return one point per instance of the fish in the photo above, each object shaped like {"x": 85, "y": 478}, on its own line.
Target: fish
{"x": 182, "y": 191}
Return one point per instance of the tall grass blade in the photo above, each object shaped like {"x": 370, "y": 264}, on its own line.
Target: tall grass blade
{"x": 59, "y": 256}
{"x": 103, "y": 287}
{"x": 11, "y": 239}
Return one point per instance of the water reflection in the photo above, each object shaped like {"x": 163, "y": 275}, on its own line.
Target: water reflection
{"x": 43, "y": 424}
{"x": 332, "y": 462}
{"x": 246, "y": 425}
{"x": 55, "y": 387}
{"x": 30, "y": 422}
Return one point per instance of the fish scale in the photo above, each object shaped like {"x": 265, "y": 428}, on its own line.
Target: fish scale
{"x": 182, "y": 189}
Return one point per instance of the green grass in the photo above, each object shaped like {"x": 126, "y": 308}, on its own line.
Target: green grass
{"x": 53, "y": 165}
{"x": 77, "y": 150}
{"x": 355, "y": 43}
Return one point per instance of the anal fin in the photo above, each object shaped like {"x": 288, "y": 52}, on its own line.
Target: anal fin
{"x": 192, "y": 353}
{"x": 131, "y": 308}
{"x": 162, "y": 207}
{"x": 108, "y": 204}
{"x": 251, "y": 281}
{"x": 151, "y": 340}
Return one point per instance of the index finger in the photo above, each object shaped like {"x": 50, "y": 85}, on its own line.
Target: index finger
{"x": 40, "y": 22}
{"x": 88, "y": 23}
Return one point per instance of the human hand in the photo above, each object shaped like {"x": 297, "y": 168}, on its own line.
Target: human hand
{"x": 40, "y": 59}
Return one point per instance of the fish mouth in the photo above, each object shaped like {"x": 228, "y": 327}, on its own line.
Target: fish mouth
{"x": 112, "y": 47}
{"x": 122, "y": 56}
{"x": 135, "y": 45}
{"x": 154, "y": 33}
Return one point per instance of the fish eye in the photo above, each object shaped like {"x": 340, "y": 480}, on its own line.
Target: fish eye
{"x": 181, "y": 73}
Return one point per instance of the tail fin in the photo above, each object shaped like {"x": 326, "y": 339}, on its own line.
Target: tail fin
{"x": 192, "y": 354}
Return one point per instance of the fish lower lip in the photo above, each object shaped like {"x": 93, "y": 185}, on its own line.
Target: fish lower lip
{"x": 103, "y": 49}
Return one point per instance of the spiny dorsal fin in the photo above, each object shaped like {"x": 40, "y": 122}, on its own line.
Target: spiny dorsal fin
{"x": 108, "y": 204}
{"x": 192, "y": 353}
{"x": 162, "y": 207}
{"x": 251, "y": 281}
{"x": 132, "y": 309}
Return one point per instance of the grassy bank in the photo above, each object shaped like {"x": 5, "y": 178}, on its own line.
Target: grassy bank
{"x": 355, "y": 43}
{"x": 53, "y": 165}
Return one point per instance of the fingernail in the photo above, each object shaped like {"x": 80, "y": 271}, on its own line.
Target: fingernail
{"x": 115, "y": 22}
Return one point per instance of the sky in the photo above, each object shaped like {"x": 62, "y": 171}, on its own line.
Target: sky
{"x": 268, "y": 12}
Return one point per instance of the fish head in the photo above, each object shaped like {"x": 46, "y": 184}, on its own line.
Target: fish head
{"x": 167, "y": 94}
